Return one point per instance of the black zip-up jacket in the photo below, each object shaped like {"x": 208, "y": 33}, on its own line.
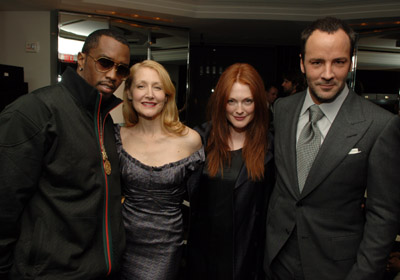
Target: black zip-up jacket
{"x": 60, "y": 213}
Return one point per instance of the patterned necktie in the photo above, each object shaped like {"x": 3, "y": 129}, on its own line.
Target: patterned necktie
{"x": 308, "y": 145}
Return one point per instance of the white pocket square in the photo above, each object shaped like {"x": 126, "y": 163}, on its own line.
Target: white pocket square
{"x": 354, "y": 151}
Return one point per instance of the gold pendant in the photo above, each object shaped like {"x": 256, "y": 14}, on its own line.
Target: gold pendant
{"x": 107, "y": 167}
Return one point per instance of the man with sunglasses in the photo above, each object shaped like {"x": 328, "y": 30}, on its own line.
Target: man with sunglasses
{"x": 60, "y": 197}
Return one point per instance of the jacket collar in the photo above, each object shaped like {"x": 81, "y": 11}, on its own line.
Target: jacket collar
{"x": 349, "y": 126}
{"x": 84, "y": 94}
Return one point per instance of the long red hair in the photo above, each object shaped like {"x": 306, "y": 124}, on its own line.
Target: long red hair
{"x": 256, "y": 142}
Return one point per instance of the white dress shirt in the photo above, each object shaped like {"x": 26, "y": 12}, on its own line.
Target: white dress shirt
{"x": 330, "y": 111}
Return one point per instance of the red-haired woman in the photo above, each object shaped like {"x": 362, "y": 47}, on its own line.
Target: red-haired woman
{"x": 228, "y": 197}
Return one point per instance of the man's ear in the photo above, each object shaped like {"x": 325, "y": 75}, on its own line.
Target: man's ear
{"x": 81, "y": 61}
{"x": 302, "y": 64}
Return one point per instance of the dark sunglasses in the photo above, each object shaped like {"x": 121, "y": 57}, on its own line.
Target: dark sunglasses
{"x": 104, "y": 64}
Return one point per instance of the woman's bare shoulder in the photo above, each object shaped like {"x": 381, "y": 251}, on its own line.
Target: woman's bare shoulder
{"x": 191, "y": 139}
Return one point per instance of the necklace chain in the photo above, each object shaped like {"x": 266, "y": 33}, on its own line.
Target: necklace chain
{"x": 106, "y": 162}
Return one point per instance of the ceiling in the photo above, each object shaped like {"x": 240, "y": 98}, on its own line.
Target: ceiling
{"x": 241, "y": 22}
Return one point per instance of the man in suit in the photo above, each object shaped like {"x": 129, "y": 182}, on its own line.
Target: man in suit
{"x": 321, "y": 227}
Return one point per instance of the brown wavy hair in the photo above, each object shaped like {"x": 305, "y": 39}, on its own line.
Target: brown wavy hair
{"x": 256, "y": 142}
{"x": 169, "y": 114}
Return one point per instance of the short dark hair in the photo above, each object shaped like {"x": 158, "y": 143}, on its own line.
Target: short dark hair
{"x": 92, "y": 40}
{"x": 297, "y": 79}
{"x": 269, "y": 85}
{"x": 329, "y": 25}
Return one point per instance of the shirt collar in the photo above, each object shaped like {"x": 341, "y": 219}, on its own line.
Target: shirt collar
{"x": 331, "y": 109}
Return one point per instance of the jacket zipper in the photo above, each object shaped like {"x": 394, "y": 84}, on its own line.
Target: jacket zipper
{"x": 106, "y": 232}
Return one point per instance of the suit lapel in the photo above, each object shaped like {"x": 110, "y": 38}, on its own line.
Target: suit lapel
{"x": 287, "y": 141}
{"x": 346, "y": 130}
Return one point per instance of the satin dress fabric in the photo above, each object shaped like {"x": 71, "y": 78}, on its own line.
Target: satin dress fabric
{"x": 152, "y": 214}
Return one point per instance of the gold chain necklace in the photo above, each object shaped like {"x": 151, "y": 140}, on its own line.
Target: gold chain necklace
{"x": 106, "y": 162}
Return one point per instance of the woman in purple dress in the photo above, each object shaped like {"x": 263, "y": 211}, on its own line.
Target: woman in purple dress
{"x": 157, "y": 155}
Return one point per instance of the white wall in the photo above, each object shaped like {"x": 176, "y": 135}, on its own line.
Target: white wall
{"x": 378, "y": 60}
{"x": 18, "y": 28}
{"x": 117, "y": 112}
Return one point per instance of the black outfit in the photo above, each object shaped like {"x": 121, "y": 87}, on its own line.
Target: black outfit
{"x": 216, "y": 207}
{"x": 227, "y": 220}
{"x": 60, "y": 213}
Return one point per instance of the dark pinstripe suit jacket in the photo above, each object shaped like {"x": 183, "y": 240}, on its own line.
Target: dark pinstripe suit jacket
{"x": 337, "y": 237}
